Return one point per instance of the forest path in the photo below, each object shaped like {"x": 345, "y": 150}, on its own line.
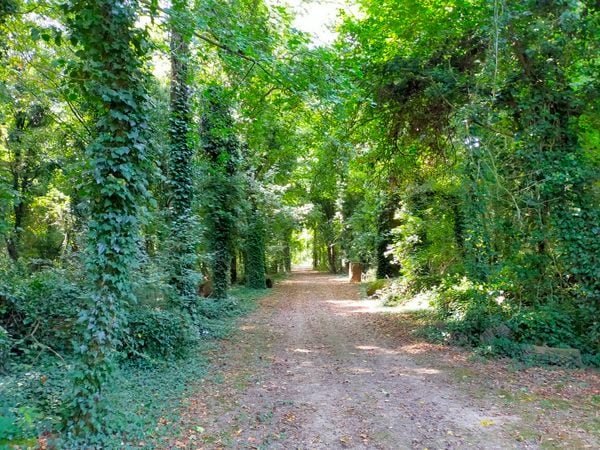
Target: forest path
{"x": 311, "y": 370}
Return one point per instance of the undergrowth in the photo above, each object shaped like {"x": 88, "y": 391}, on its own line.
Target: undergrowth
{"x": 485, "y": 317}
{"x": 158, "y": 368}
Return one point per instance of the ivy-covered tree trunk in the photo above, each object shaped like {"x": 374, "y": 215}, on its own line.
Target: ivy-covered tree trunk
{"x": 255, "y": 252}
{"x": 287, "y": 251}
{"x": 20, "y": 184}
{"x": 234, "y": 267}
{"x": 182, "y": 243}
{"x": 111, "y": 51}
{"x": 221, "y": 194}
{"x": 385, "y": 223}
{"x": 315, "y": 249}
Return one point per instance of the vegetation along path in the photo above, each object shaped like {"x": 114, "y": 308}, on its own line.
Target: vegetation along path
{"x": 315, "y": 368}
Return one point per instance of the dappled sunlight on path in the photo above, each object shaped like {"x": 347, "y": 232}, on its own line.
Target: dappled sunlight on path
{"x": 308, "y": 370}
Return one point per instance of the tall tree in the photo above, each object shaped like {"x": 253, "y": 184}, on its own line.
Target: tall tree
{"x": 111, "y": 52}
{"x": 182, "y": 243}
{"x": 221, "y": 187}
{"x": 255, "y": 263}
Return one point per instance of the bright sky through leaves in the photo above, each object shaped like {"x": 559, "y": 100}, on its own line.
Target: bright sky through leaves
{"x": 316, "y": 17}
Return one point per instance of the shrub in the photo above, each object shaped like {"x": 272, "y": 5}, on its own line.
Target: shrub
{"x": 158, "y": 333}
{"x": 395, "y": 291}
{"x": 17, "y": 427}
{"x": 376, "y": 285}
{"x": 41, "y": 307}
{"x": 547, "y": 325}
{"x": 218, "y": 308}
{"x": 469, "y": 309}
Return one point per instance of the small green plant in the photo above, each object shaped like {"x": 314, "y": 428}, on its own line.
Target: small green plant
{"x": 376, "y": 285}
{"x": 17, "y": 427}
{"x": 41, "y": 308}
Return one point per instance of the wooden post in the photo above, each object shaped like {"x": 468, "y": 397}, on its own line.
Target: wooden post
{"x": 355, "y": 272}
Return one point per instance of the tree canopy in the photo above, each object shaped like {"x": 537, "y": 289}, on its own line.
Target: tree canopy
{"x": 154, "y": 154}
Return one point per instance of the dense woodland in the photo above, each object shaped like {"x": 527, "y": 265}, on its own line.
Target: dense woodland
{"x": 157, "y": 156}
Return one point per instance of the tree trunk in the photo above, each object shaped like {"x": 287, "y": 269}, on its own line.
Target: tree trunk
{"x": 315, "y": 250}
{"x": 287, "y": 257}
{"x": 385, "y": 267}
{"x": 332, "y": 258}
{"x": 234, "y": 268}
{"x": 355, "y": 272}
{"x": 182, "y": 251}
{"x": 111, "y": 66}
{"x": 13, "y": 242}
{"x": 255, "y": 253}
{"x": 221, "y": 191}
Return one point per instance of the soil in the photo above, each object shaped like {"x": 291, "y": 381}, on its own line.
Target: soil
{"x": 316, "y": 367}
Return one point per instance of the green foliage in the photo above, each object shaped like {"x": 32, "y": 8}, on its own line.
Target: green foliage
{"x": 397, "y": 291}
{"x": 469, "y": 310}
{"x": 455, "y": 143}
{"x": 6, "y": 343}
{"x": 183, "y": 246}
{"x": 375, "y": 285}
{"x": 551, "y": 325}
{"x": 148, "y": 386}
{"x": 17, "y": 426}
{"x": 40, "y": 310}
{"x": 483, "y": 131}
{"x": 255, "y": 252}
{"x": 158, "y": 334}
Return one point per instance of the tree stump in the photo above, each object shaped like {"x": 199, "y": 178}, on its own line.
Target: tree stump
{"x": 355, "y": 272}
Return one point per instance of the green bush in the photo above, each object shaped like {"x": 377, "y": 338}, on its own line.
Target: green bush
{"x": 395, "y": 291}
{"x": 158, "y": 333}
{"x": 469, "y": 309}
{"x": 547, "y": 325}
{"x": 376, "y": 285}
{"x": 41, "y": 307}
{"x": 501, "y": 346}
{"x": 215, "y": 308}
{"x": 6, "y": 343}
{"x": 17, "y": 427}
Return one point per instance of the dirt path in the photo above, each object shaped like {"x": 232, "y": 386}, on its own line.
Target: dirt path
{"x": 310, "y": 371}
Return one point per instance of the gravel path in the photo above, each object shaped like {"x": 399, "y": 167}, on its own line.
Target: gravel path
{"x": 308, "y": 371}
